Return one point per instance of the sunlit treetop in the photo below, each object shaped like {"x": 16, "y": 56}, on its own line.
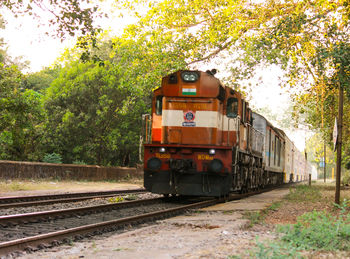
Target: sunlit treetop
{"x": 293, "y": 34}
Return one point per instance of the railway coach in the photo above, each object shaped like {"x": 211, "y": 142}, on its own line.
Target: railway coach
{"x": 202, "y": 139}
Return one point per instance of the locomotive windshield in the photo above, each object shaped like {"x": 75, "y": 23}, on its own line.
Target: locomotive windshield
{"x": 232, "y": 108}
{"x": 159, "y": 105}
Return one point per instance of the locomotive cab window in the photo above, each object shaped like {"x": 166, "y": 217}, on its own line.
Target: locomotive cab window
{"x": 159, "y": 104}
{"x": 232, "y": 108}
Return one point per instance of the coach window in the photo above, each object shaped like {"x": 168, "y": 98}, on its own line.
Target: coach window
{"x": 159, "y": 104}
{"x": 232, "y": 107}
{"x": 244, "y": 114}
{"x": 279, "y": 152}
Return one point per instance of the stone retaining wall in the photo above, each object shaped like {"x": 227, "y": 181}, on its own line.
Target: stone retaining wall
{"x": 36, "y": 170}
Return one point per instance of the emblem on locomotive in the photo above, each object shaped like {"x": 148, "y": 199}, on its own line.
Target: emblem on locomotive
{"x": 189, "y": 117}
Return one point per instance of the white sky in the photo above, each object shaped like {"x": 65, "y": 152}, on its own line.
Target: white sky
{"x": 25, "y": 38}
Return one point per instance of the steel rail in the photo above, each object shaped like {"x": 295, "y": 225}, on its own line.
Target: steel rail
{"x": 45, "y": 215}
{"x": 21, "y": 201}
{"x": 53, "y": 237}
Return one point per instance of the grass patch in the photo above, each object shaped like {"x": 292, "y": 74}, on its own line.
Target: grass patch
{"x": 320, "y": 230}
{"x": 302, "y": 193}
{"x": 116, "y": 199}
{"x": 257, "y": 217}
{"x": 276, "y": 250}
{"x": 131, "y": 197}
{"x": 50, "y": 185}
{"x": 254, "y": 217}
{"x": 326, "y": 230}
{"x": 12, "y": 186}
{"x": 314, "y": 231}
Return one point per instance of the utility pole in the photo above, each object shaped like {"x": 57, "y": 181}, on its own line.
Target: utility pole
{"x": 324, "y": 141}
{"x": 324, "y": 161}
{"x": 339, "y": 144}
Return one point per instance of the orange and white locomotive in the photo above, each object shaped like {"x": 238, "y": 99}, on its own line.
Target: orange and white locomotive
{"x": 204, "y": 140}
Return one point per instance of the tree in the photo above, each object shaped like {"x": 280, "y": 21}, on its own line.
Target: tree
{"x": 309, "y": 40}
{"x": 21, "y": 117}
{"x": 39, "y": 81}
{"x": 302, "y": 37}
{"x": 196, "y": 30}
{"x": 93, "y": 117}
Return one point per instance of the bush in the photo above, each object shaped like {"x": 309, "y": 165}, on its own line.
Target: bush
{"x": 79, "y": 162}
{"x": 275, "y": 251}
{"x": 319, "y": 230}
{"x": 52, "y": 158}
{"x": 304, "y": 193}
{"x": 346, "y": 178}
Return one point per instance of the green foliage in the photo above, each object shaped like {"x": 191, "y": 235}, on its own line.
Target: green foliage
{"x": 88, "y": 112}
{"x": 319, "y": 230}
{"x": 41, "y": 80}
{"x": 52, "y": 158}
{"x": 21, "y": 117}
{"x": 346, "y": 178}
{"x": 78, "y": 162}
{"x": 93, "y": 116}
{"x": 315, "y": 149}
{"x": 304, "y": 193}
{"x": 275, "y": 250}
{"x": 309, "y": 40}
{"x": 256, "y": 217}
{"x": 131, "y": 197}
{"x": 195, "y": 30}
{"x": 116, "y": 199}
{"x": 94, "y": 109}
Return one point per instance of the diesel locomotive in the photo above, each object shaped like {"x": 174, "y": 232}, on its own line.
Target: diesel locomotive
{"x": 202, "y": 139}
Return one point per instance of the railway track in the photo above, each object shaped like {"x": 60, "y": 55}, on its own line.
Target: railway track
{"x": 33, "y": 231}
{"x": 24, "y": 232}
{"x": 36, "y": 200}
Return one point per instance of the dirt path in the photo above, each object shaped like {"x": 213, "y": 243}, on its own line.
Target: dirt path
{"x": 18, "y": 188}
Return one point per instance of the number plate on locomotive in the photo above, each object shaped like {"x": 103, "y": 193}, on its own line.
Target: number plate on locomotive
{"x": 166, "y": 156}
{"x": 205, "y": 157}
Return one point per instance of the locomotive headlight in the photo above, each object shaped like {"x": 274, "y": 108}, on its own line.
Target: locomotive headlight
{"x": 162, "y": 150}
{"x": 190, "y": 76}
{"x": 154, "y": 163}
{"x": 212, "y": 151}
{"x": 216, "y": 166}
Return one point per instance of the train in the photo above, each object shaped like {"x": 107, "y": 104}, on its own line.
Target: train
{"x": 203, "y": 139}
